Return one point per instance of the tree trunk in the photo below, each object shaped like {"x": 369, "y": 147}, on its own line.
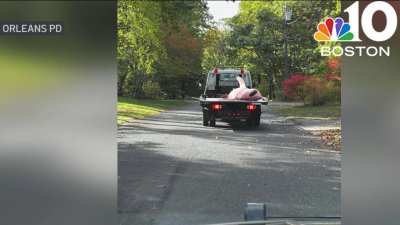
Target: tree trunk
{"x": 121, "y": 84}
{"x": 121, "y": 80}
{"x": 270, "y": 88}
{"x": 138, "y": 85}
{"x": 183, "y": 88}
{"x": 273, "y": 87}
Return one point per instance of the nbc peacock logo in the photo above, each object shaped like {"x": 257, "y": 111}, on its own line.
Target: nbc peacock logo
{"x": 333, "y": 30}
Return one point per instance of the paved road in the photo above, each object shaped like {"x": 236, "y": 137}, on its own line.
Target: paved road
{"x": 174, "y": 171}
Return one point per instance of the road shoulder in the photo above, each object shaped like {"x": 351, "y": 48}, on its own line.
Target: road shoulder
{"x": 328, "y": 129}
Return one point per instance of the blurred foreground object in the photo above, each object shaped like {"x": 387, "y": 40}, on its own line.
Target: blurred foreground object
{"x": 58, "y": 116}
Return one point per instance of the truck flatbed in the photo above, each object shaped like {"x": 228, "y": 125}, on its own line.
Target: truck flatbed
{"x": 262, "y": 101}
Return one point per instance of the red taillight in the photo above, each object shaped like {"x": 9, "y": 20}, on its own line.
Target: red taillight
{"x": 241, "y": 71}
{"x": 251, "y": 107}
{"x": 215, "y": 71}
{"x": 216, "y": 106}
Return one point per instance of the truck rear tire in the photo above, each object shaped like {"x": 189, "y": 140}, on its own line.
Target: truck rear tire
{"x": 253, "y": 121}
{"x": 205, "y": 118}
{"x": 212, "y": 122}
{"x": 257, "y": 120}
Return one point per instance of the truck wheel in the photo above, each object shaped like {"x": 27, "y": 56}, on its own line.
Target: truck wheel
{"x": 205, "y": 119}
{"x": 212, "y": 122}
{"x": 257, "y": 121}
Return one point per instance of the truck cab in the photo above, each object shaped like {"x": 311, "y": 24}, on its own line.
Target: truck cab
{"x": 221, "y": 82}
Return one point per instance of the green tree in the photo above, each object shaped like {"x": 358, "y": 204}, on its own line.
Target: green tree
{"x": 183, "y": 25}
{"x": 139, "y": 44}
{"x": 217, "y": 50}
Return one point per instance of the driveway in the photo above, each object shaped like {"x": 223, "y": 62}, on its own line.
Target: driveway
{"x": 172, "y": 170}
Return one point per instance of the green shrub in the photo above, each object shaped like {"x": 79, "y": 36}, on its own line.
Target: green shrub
{"x": 333, "y": 90}
{"x": 327, "y": 92}
{"x": 313, "y": 92}
{"x": 318, "y": 98}
{"x": 279, "y": 95}
{"x": 263, "y": 89}
{"x": 151, "y": 90}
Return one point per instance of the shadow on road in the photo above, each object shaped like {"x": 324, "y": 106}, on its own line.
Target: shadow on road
{"x": 172, "y": 190}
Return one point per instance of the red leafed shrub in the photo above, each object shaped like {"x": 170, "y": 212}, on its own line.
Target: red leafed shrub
{"x": 293, "y": 84}
{"x": 335, "y": 64}
{"x": 302, "y": 88}
{"x": 313, "y": 91}
{"x": 316, "y": 90}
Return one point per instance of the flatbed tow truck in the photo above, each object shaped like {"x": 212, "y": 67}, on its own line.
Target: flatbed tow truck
{"x": 215, "y": 105}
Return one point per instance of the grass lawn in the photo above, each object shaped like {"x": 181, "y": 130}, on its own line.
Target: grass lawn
{"x": 329, "y": 111}
{"x": 130, "y": 109}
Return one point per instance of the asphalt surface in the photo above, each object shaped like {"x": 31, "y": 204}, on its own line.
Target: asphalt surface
{"x": 172, "y": 170}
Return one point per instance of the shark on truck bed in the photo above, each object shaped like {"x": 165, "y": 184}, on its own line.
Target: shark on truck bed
{"x": 243, "y": 92}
